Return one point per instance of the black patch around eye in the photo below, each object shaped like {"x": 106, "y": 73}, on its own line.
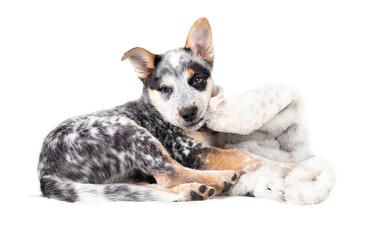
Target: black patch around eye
{"x": 200, "y": 72}
{"x": 198, "y": 85}
{"x": 154, "y": 82}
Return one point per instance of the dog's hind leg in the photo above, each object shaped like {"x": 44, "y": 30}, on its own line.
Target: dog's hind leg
{"x": 186, "y": 191}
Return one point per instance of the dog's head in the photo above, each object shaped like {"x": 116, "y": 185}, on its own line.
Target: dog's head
{"x": 178, "y": 82}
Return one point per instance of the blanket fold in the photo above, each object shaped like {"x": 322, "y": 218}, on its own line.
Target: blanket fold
{"x": 270, "y": 122}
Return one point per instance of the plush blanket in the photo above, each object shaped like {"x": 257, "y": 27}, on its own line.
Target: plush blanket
{"x": 270, "y": 122}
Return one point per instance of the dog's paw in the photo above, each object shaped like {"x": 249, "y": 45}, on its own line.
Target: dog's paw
{"x": 223, "y": 181}
{"x": 229, "y": 180}
{"x": 201, "y": 192}
{"x": 194, "y": 191}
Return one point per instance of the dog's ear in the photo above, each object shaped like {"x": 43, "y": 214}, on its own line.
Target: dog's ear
{"x": 142, "y": 61}
{"x": 200, "y": 41}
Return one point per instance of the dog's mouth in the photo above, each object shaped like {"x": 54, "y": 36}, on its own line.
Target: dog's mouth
{"x": 195, "y": 123}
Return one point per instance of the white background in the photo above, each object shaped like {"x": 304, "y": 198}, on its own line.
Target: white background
{"x": 59, "y": 59}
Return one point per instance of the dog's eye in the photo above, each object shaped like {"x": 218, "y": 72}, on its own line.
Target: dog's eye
{"x": 164, "y": 89}
{"x": 198, "y": 80}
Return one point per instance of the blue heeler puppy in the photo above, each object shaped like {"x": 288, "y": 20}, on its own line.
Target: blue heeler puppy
{"x": 159, "y": 139}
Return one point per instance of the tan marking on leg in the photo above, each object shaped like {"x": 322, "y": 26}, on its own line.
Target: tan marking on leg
{"x": 238, "y": 160}
{"x": 180, "y": 175}
{"x": 201, "y": 137}
{"x": 217, "y": 179}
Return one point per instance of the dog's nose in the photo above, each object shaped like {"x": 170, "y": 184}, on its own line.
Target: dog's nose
{"x": 188, "y": 114}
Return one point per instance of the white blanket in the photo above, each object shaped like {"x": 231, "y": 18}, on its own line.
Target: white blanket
{"x": 270, "y": 122}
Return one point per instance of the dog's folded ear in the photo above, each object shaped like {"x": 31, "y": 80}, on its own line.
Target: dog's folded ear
{"x": 200, "y": 41}
{"x": 142, "y": 61}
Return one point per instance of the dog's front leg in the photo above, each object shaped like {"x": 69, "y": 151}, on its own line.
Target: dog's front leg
{"x": 168, "y": 173}
{"x": 238, "y": 160}
{"x": 222, "y": 181}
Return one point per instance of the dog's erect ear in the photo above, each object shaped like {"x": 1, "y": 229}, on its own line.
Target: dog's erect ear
{"x": 142, "y": 61}
{"x": 200, "y": 40}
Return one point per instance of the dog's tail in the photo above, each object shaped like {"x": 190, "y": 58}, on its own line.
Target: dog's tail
{"x": 57, "y": 188}
{"x": 310, "y": 182}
